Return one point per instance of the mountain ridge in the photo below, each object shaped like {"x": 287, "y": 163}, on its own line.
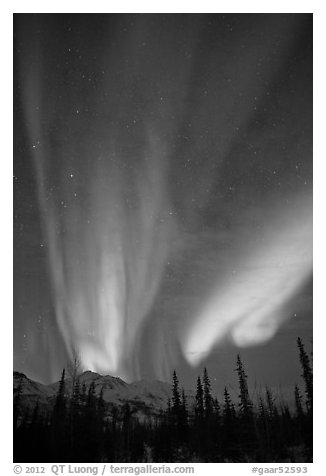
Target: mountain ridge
{"x": 145, "y": 397}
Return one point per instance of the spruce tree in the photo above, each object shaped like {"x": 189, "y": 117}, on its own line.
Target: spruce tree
{"x": 245, "y": 405}
{"x": 307, "y": 374}
{"x": 60, "y": 439}
{"x": 199, "y": 408}
{"x": 60, "y": 403}
{"x": 216, "y": 409}
{"x": 75, "y": 399}
{"x": 246, "y": 427}
{"x": 298, "y": 404}
{"x": 208, "y": 401}
{"x": 228, "y": 408}
{"x": 176, "y": 401}
{"x": 183, "y": 421}
{"x": 229, "y": 433}
{"x": 271, "y": 407}
{"x": 74, "y": 415}
{"x": 91, "y": 441}
{"x": 184, "y": 406}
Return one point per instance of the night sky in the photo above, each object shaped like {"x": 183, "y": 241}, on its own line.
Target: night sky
{"x": 163, "y": 194}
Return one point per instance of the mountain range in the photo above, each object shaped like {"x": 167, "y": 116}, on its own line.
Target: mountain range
{"x": 146, "y": 398}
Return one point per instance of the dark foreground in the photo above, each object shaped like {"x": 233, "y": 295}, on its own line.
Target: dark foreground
{"x": 79, "y": 428}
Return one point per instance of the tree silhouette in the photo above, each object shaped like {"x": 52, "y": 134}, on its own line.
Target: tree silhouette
{"x": 208, "y": 401}
{"x": 245, "y": 405}
{"x": 199, "y": 408}
{"x": 306, "y": 374}
{"x": 82, "y": 426}
{"x": 246, "y": 423}
{"x": 59, "y": 422}
{"x": 183, "y": 416}
{"x": 298, "y": 403}
{"x": 176, "y": 402}
{"x": 229, "y": 434}
{"x": 60, "y": 403}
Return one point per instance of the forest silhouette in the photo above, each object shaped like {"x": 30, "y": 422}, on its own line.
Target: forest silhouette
{"x": 79, "y": 429}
